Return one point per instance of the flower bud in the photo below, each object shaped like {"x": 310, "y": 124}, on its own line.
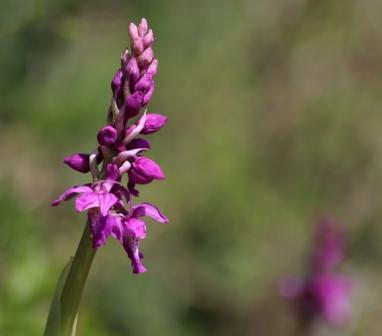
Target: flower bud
{"x": 143, "y": 27}
{"x": 137, "y": 46}
{"x": 132, "y": 70}
{"x": 154, "y": 122}
{"x": 144, "y": 84}
{"x": 133, "y": 32}
{"x": 78, "y": 161}
{"x": 133, "y": 104}
{"x": 148, "y": 95}
{"x": 145, "y": 58}
{"x": 153, "y": 67}
{"x": 148, "y": 39}
{"x": 135, "y": 178}
{"x": 116, "y": 82}
{"x": 107, "y": 136}
{"x": 147, "y": 168}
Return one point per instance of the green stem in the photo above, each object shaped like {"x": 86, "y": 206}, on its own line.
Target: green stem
{"x": 65, "y": 303}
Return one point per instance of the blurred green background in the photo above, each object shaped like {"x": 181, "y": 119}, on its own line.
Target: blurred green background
{"x": 274, "y": 119}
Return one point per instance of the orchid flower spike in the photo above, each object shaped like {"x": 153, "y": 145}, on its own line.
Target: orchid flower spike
{"x": 108, "y": 200}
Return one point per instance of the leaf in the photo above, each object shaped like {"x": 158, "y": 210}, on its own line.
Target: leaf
{"x": 53, "y": 325}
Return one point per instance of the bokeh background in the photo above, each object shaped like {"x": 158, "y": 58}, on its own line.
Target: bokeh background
{"x": 274, "y": 119}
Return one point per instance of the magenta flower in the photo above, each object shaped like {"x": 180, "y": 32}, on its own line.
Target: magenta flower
{"x": 109, "y": 204}
{"x": 331, "y": 294}
{"x": 324, "y": 292}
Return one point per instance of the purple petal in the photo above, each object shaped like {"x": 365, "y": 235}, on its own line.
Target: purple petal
{"x": 131, "y": 246}
{"x": 154, "y": 122}
{"x": 138, "y": 143}
{"x": 147, "y": 167}
{"x": 71, "y": 192}
{"x": 102, "y": 227}
{"x": 147, "y": 209}
{"x": 332, "y": 293}
{"x": 86, "y": 201}
{"x": 134, "y": 228}
{"x": 116, "y": 229}
{"x": 106, "y": 201}
{"x": 112, "y": 172}
{"x": 78, "y": 162}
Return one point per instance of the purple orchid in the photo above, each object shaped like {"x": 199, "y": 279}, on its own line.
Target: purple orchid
{"x": 323, "y": 293}
{"x": 109, "y": 204}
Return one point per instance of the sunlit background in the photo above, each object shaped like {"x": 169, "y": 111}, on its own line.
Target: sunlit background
{"x": 274, "y": 119}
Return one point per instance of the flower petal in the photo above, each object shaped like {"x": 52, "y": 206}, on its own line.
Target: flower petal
{"x": 138, "y": 143}
{"x": 332, "y": 294}
{"x": 86, "y": 201}
{"x": 71, "y": 192}
{"x": 131, "y": 246}
{"x": 134, "y": 228}
{"x": 147, "y": 209}
{"x": 112, "y": 172}
{"x": 98, "y": 224}
{"x": 106, "y": 201}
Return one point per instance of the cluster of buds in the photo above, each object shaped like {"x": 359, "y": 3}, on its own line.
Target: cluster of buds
{"x": 108, "y": 200}
{"x": 324, "y": 292}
